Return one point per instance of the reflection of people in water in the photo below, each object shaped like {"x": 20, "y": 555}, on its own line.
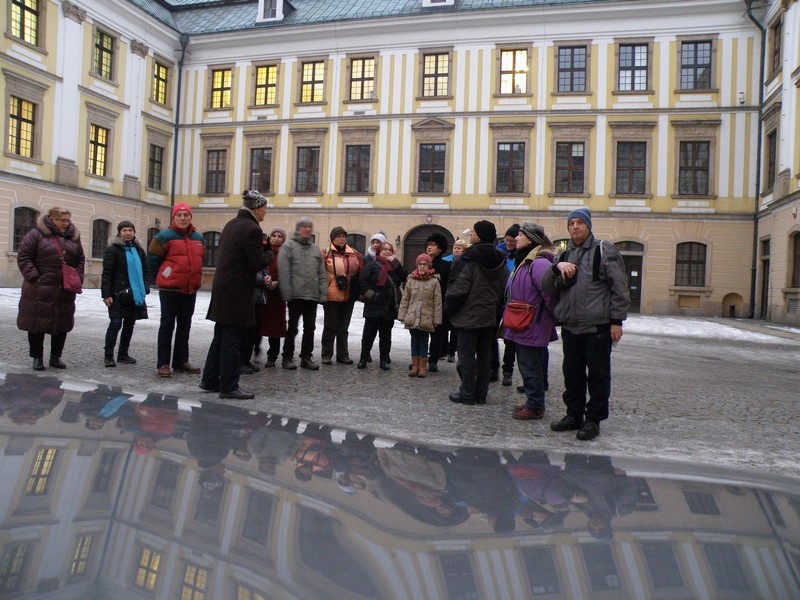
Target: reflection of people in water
{"x": 352, "y": 462}
{"x": 151, "y": 420}
{"x": 313, "y": 456}
{"x": 101, "y": 404}
{"x": 273, "y": 443}
{"x": 26, "y": 399}
{"x": 603, "y": 492}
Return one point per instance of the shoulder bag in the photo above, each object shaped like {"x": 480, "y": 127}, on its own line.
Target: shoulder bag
{"x": 72, "y": 279}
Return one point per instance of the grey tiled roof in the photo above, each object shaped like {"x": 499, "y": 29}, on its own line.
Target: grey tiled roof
{"x": 196, "y": 17}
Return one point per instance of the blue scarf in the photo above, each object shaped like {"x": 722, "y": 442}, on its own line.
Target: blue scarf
{"x": 135, "y": 275}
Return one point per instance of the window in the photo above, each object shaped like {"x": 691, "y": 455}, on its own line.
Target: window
{"x": 80, "y": 556}
{"x": 25, "y": 16}
{"x": 245, "y": 593}
{"x": 458, "y": 578}
{"x": 701, "y": 503}
{"x": 155, "y": 167}
{"x": 599, "y": 561}
{"x": 696, "y": 61}
{"x": 571, "y": 69}
{"x": 569, "y": 167}
{"x": 21, "y": 125}
{"x": 357, "y": 242}
{"x": 726, "y": 567}
{"x": 307, "y": 171}
{"x": 435, "y": 75}
{"x": 513, "y": 71}
{"x": 208, "y": 504}
{"x": 195, "y": 580}
{"x": 211, "y": 245}
{"x": 221, "y": 85}
{"x": 160, "y": 79}
{"x": 100, "y": 233}
{"x": 261, "y": 169}
{"x": 147, "y": 570}
{"x": 103, "y": 55}
{"x": 772, "y": 159}
{"x": 432, "y": 167}
{"x": 662, "y": 565}
{"x": 775, "y": 47}
{"x": 357, "y": 168}
{"x": 631, "y": 162}
{"x": 41, "y": 471}
{"x": 362, "y": 78}
{"x": 694, "y": 168}
{"x": 105, "y": 468}
{"x": 266, "y": 86}
{"x": 257, "y": 517}
{"x": 510, "y": 167}
{"x": 312, "y": 82}
{"x": 216, "y": 170}
{"x": 165, "y": 485}
{"x": 633, "y": 67}
{"x": 24, "y": 221}
{"x": 541, "y": 569}
{"x": 13, "y": 564}
{"x": 98, "y": 150}
{"x": 795, "y": 246}
{"x": 690, "y": 265}
{"x": 151, "y": 233}
{"x": 270, "y": 9}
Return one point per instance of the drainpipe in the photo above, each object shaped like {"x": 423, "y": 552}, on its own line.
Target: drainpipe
{"x": 184, "y": 40}
{"x": 754, "y": 263}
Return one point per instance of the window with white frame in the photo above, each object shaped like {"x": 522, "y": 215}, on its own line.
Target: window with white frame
{"x": 513, "y": 70}
{"x": 435, "y": 69}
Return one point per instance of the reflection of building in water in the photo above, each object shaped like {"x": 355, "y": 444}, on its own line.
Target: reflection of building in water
{"x": 94, "y": 519}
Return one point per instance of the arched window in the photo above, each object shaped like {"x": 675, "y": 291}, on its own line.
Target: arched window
{"x": 24, "y": 221}
{"x": 151, "y": 233}
{"x": 100, "y": 233}
{"x": 357, "y": 242}
{"x": 690, "y": 264}
{"x": 211, "y": 243}
{"x": 795, "y": 246}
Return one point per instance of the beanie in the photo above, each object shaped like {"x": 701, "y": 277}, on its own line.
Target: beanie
{"x": 337, "y": 231}
{"x": 378, "y": 236}
{"x": 485, "y": 231}
{"x": 513, "y": 230}
{"x": 532, "y": 231}
{"x": 582, "y": 213}
{"x": 123, "y": 224}
{"x": 438, "y": 239}
{"x": 252, "y": 199}
{"x": 424, "y": 257}
{"x": 181, "y": 206}
{"x": 302, "y": 222}
{"x": 278, "y": 230}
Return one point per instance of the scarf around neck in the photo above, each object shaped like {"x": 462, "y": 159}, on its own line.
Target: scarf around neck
{"x": 386, "y": 268}
{"x": 135, "y": 274}
{"x": 423, "y": 276}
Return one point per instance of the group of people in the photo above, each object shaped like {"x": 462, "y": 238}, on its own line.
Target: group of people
{"x": 473, "y": 294}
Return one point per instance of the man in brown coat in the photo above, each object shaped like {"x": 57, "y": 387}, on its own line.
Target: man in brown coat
{"x": 241, "y": 256}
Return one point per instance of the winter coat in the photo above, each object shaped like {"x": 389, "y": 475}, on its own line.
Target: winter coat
{"x": 475, "y": 292}
{"x": 442, "y": 268}
{"x": 176, "y": 260}
{"x": 272, "y": 318}
{"x": 115, "y": 279}
{"x": 598, "y": 293}
{"x": 421, "y": 306}
{"x": 301, "y": 271}
{"x": 45, "y": 306}
{"x": 386, "y": 300}
{"x": 524, "y": 285}
{"x": 240, "y": 256}
{"x": 348, "y": 264}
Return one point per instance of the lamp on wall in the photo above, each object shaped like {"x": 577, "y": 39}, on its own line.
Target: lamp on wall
{"x": 397, "y": 242}
{"x": 157, "y": 223}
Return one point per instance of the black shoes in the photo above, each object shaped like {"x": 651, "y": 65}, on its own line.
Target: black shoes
{"x": 568, "y": 423}
{"x": 385, "y": 365}
{"x": 451, "y": 358}
{"x": 432, "y": 366}
{"x": 38, "y": 364}
{"x": 589, "y": 431}
{"x": 270, "y": 363}
{"x": 248, "y": 368}
{"x": 237, "y": 394}
{"x": 456, "y": 397}
{"x": 345, "y": 360}
{"x": 362, "y": 364}
{"x": 288, "y": 364}
{"x": 495, "y": 376}
{"x": 109, "y": 361}
{"x": 125, "y": 359}
{"x": 208, "y": 388}
{"x": 57, "y": 363}
{"x": 508, "y": 379}
{"x": 326, "y": 360}
{"x": 308, "y": 363}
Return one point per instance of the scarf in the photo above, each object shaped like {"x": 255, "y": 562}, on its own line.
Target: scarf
{"x": 423, "y": 276}
{"x": 135, "y": 274}
{"x": 386, "y": 268}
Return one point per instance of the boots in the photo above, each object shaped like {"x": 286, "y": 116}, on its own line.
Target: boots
{"x": 412, "y": 372}
{"x": 423, "y": 367}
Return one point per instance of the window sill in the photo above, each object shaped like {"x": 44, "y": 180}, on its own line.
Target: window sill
{"x": 100, "y": 177}
{"x": 31, "y": 159}
{"x": 433, "y": 194}
{"x": 524, "y": 193}
{"x": 791, "y": 291}
{"x": 364, "y": 101}
{"x": 221, "y": 194}
{"x": 262, "y": 106}
{"x": 102, "y": 79}
{"x": 357, "y": 194}
{"x": 424, "y": 98}
{"x": 690, "y": 290}
{"x": 631, "y": 196}
{"x": 305, "y": 194}
{"x": 697, "y": 91}
{"x": 693, "y": 197}
{"x": 586, "y": 93}
{"x": 568, "y": 194}
{"x": 513, "y": 95}
{"x": 321, "y": 103}
{"x": 633, "y": 92}
{"x": 218, "y": 109}
{"x": 161, "y": 104}
{"x": 34, "y": 47}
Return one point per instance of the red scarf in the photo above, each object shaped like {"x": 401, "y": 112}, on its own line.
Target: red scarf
{"x": 386, "y": 268}
{"x": 423, "y": 276}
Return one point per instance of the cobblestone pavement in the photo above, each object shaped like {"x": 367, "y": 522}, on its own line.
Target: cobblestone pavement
{"x": 728, "y": 400}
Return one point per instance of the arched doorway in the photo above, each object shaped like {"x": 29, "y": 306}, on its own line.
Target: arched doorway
{"x": 633, "y": 257}
{"x": 414, "y": 243}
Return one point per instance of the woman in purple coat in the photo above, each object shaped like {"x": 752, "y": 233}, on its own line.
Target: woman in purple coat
{"x": 45, "y": 307}
{"x": 532, "y": 259}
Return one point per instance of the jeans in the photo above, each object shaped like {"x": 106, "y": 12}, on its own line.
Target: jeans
{"x": 124, "y": 342}
{"x": 373, "y": 327}
{"x": 509, "y": 354}
{"x": 36, "y": 344}
{"x": 176, "y": 308}
{"x": 587, "y": 365}
{"x": 530, "y": 361}
{"x": 474, "y": 362}
{"x": 221, "y": 370}
{"x": 419, "y": 343}
{"x": 336, "y": 324}
{"x": 308, "y": 310}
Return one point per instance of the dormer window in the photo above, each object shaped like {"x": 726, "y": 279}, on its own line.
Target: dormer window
{"x": 434, "y": 3}
{"x": 270, "y": 10}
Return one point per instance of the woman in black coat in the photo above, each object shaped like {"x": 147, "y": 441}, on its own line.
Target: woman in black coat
{"x": 123, "y": 288}
{"x": 380, "y": 283}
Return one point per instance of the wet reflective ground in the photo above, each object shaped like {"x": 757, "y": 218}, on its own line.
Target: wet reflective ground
{"x": 109, "y": 494}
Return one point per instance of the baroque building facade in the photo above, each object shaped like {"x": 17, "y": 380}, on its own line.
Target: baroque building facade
{"x": 422, "y": 116}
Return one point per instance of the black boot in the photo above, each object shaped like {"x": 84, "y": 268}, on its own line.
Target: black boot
{"x": 56, "y": 362}
{"x": 38, "y": 364}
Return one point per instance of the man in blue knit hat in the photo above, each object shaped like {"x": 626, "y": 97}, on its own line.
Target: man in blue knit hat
{"x": 592, "y": 284}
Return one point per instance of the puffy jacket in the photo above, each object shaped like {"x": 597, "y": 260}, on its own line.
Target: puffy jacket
{"x": 176, "y": 260}
{"x": 115, "y": 279}
{"x": 597, "y": 295}
{"x": 301, "y": 272}
{"x": 475, "y": 292}
{"x": 421, "y": 306}
{"x": 337, "y": 263}
{"x": 45, "y": 306}
{"x": 524, "y": 285}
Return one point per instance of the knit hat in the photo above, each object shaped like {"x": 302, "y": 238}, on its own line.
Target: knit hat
{"x": 423, "y": 258}
{"x": 302, "y": 222}
{"x": 582, "y": 213}
{"x": 337, "y": 231}
{"x": 532, "y": 231}
{"x": 123, "y": 224}
{"x": 278, "y": 230}
{"x": 438, "y": 239}
{"x": 252, "y": 199}
{"x": 513, "y": 230}
{"x": 486, "y": 231}
{"x": 179, "y": 207}
{"x": 378, "y": 236}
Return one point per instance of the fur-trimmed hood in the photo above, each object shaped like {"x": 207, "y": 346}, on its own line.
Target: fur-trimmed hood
{"x": 47, "y": 227}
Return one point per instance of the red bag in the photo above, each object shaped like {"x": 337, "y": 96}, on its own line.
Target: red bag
{"x": 72, "y": 279}
{"x": 518, "y": 316}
